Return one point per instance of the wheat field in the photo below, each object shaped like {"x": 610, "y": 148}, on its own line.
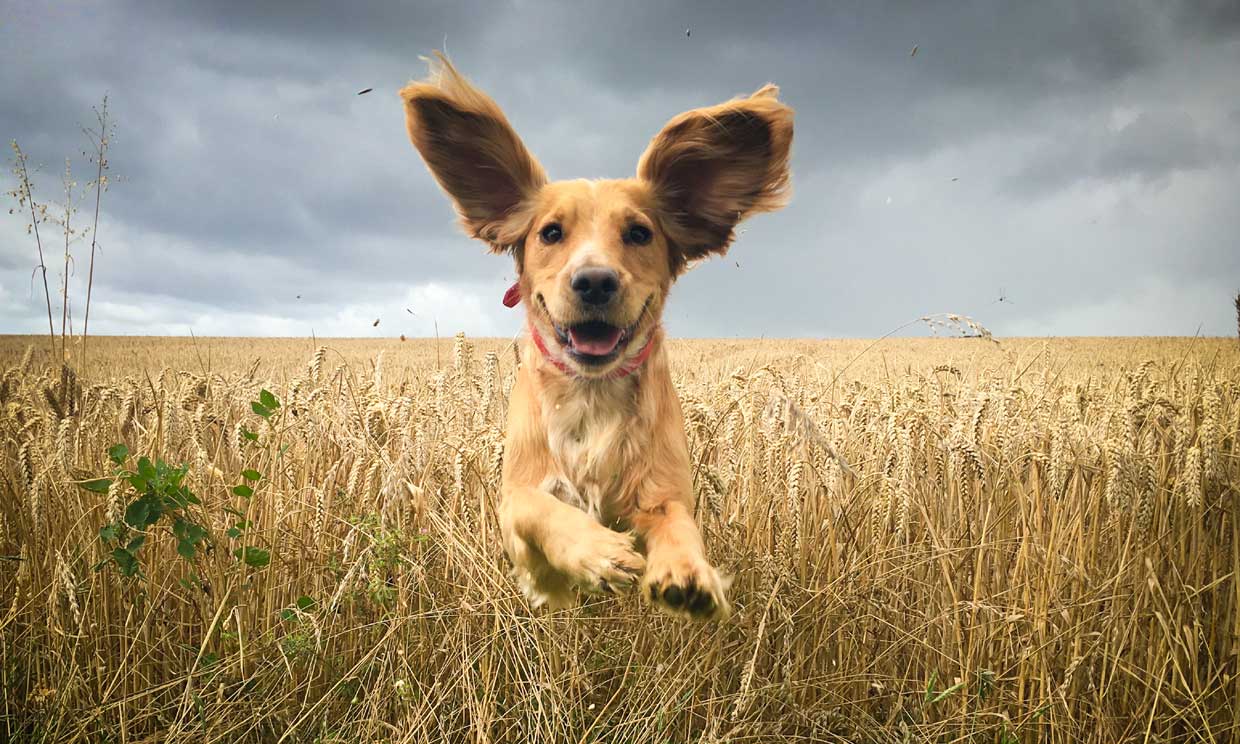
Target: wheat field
{"x": 931, "y": 540}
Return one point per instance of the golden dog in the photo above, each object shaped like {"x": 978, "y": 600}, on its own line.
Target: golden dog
{"x": 596, "y": 465}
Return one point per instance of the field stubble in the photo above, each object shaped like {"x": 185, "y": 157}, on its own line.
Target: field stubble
{"x": 1030, "y": 541}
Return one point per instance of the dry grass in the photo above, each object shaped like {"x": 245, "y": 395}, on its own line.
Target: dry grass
{"x": 1026, "y": 542}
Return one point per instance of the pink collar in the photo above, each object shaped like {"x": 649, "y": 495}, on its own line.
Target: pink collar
{"x": 513, "y": 296}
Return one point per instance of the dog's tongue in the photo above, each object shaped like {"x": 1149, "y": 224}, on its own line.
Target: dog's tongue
{"x": 595, "y": 344}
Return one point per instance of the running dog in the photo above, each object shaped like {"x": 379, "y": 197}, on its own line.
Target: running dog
{"x": 597, "y": 487}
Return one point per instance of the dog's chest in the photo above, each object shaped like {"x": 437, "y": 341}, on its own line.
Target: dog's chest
{"x": 591, "y": 439}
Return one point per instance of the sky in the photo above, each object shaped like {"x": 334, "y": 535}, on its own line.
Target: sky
{"x": 1050, "y": 168}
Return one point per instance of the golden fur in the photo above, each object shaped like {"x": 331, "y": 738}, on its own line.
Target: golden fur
{"x": 597, "y": 489}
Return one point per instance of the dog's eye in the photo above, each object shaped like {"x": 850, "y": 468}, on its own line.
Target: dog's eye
{"x": 552, "y": 233}
{"x": 637, "y": 235}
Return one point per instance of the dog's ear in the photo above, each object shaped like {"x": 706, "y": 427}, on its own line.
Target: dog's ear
{"x": 712, "y": 167}
{"x": 474, "y": 154}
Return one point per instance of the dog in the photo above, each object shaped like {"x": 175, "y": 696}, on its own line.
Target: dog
{"x": 596, "y": 489}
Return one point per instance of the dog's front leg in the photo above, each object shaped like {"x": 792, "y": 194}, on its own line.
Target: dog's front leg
{"x": 678, "y": 576}
{"x": 555, "y": 546}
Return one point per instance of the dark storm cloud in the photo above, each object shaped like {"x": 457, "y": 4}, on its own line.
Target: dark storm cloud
{"x": 1094, "y": 148}
{"x": 1209, "y": 18}
{"x": 1152, "y": 147}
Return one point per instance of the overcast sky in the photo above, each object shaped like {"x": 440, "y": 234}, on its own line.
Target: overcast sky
{"x": 1082, "y": 163}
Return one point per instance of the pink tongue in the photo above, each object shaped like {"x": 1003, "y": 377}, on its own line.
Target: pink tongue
{"x": 595, "y": 346}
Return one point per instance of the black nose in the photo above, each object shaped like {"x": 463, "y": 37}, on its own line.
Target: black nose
{"x": 595, "y": 286}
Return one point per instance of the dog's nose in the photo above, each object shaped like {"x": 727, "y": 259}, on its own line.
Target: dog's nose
{"x": 595, "y": 286}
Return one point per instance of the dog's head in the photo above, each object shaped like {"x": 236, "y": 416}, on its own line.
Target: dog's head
{"x": 597, "y": 258}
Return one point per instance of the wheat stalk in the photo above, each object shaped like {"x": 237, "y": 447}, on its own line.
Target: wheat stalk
{"x": 1040, "y": 509}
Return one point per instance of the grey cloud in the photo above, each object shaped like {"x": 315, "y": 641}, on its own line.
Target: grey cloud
{"x": 1153, "y": 146}
{"x": 1156, "y": 144}
{"x": 1213, "y": 19}
{"x": 253, "y": 172}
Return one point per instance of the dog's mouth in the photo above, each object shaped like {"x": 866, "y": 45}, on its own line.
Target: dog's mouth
{"x": 592, "y": 342}
{"x": 595, "y": 342}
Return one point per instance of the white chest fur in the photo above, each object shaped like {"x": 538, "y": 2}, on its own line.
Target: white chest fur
{"x": 588, "y": 433}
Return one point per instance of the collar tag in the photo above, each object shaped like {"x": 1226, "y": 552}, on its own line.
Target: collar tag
{"x": 513, "y": 296}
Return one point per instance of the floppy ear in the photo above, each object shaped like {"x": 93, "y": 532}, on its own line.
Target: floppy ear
{"x": 713, "y": 167}
{"x": 474, "y": 154}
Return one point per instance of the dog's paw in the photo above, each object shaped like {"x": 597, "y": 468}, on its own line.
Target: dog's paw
{"x": 546, "y": 589}
{"x": 603, "y": 560}
{"x": 687, "y": 586}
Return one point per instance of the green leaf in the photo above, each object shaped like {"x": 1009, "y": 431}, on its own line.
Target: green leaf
{"x": 947, "y": 692}
{"x": 144, "y": 512}
{"x": 287, "y": 615}
{"x": 117, "y": 453}
{"x": 125, "y": 561}
{"x": 209, "y": 660}
{"x": 157, "y": 509}
{"x": 109, "y": 532}
{"x": 137, "y": 513}
{"x": 267, "y": 399}
{"x": 260, "y": 409}
{"x": 175, "y": 499}
{"x": 233, "y": 532}
{"x": 249, "y": 435}
{"x": 251, "y": 475}
{"x": 185, "y": 549}
{"x": 135, "y": 543}
{"x": 99, "y": 485}
{"x": 243, "y": 491}
{"x": 304, "y": 603}
{"x": 147, "y": 470}
{"x": 179, "y": 497}
{"x": 253, "y": 557}
{"x": 195, "y": 533}
{"x": 176, "y": 476}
